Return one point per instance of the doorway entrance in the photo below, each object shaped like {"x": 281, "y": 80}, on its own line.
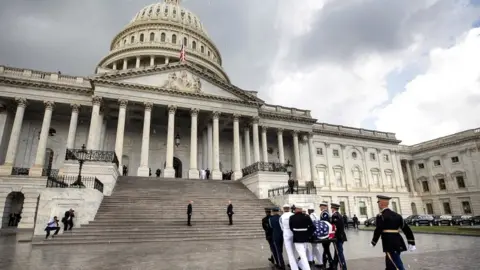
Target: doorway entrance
{"x": 177, "y": 166}
{"x": 12, "y": 211}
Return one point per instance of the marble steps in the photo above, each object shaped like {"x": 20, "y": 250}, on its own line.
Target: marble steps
{"x": 178, "y": 221}
{"x": 161, "y": 233}
{"x": 83, "y": 230}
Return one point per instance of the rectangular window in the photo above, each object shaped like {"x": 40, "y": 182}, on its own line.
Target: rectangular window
{"x": 455, "y": 160}
{"x": 336, "y": 153}
{"x": 389, "y": 179}
{"x": 460, "y": 181}
{"x": 363, "y": 209}
{"x": 386, "y": 158}
{"x": 436, "y": 163}
{"x": 342, "y": 208}
{"x": 441, "y": 184}
{"x": 394, "y": 207}
{"x": 376, "y": 179}
{"x": 466, "y": 207}
{"x": 321, "y": 177}
{"x": 425, "y": 186}
{"x": 373, "y": 157}
{"x": 446, "y": 208}
{"x": 338, "y": 178}
{"x": 421, "y": 166}
{"x": 320, "y": 151}
{"x": 429, "y": 208}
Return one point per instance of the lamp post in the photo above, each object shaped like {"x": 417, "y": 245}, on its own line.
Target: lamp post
{"x": 291, "y": 182}
{"x": 177, "y": 140}
{"x": 81, "y": 157}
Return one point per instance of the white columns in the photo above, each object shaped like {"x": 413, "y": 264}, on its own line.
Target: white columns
{"x": 72, "y": 130}
{"x": 152, "y": 60}
{"x": 6, "y": 169}
{"x": 93, "y": 131}
{"x": 311, "y": 148}
{"x": 210, "y": 146}
{"x": 256, "y": 146}
{"x": 216, "y": 173}
{"x": 237, "y": 171}
{"x": 410, "y": 178}
{"x": 205, "y": 150}
{"x": 167, "y": 60}
{"x": 169, "y": 171}
{"x": 296, "y": 153}
{"x": 125, "y": 64}
{"x": 114, "y": 67}
{"x": 193, "y": 172}
{"x": 248, "y": 158}
{"x": 100, "y": 137}
{"x": 137, "y": 63}
{"x": 122, "y": 111}
{"x": 144, "y": 170}
{"x": 264, "y": 144}
{"x": 36, "y": 170}
{"x": 281, "y": 153}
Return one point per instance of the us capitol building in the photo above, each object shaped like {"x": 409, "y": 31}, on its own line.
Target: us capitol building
{"x": 157, "y": 112}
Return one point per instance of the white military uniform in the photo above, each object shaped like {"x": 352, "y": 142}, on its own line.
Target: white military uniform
{"x": 313, "y": 249}
{"x": 288, "y": 239}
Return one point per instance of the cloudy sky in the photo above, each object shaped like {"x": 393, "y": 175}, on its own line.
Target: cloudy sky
{"x": 411, "y": 67}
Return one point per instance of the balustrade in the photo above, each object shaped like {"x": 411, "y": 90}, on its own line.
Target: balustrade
{"x": 264, "y": 167}
{"x": 92, "y": 155}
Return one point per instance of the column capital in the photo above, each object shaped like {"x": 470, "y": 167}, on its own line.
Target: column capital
{"x": 75, "y": 107}
{"x": 148, "y": 106}
{"x": 246, "y": 128}
{"x": 236, "y": 116}
{"x": 123, "y": 103}
{"x": 279, "y": 131}
{"x": 295, "y": 133}
{"x": 216, "y": 114}
{"x": 255, "y": 119}
{"x": 365, "y": 149}
{"x": 264, "y": 128}
{"x": 172, "y": 109}
{"x": 96, "y": 100}
{"x": 194, "y": 112}
{"x": 22, "y": 102}
{"x": 343, "y": 146}
{"x": 49, "y": 105}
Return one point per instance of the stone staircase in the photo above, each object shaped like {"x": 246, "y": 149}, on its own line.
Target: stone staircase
{"x": 154, "y": 210}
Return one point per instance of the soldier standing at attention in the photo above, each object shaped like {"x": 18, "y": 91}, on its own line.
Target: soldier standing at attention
{"x": 189, "y": 213}
{"x": 340, "y": 237}
{"x": 388, "y": 224}
{"x": 325, "y": 216}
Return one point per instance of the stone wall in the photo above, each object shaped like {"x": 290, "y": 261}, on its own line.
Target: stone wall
{"x": 260, "y": 182}
{"x": 56, "y": 201}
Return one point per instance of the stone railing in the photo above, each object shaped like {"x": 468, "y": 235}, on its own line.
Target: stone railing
{"x": 20, "y": 171}
{"x": 285, "y": 110}
{"x": 50, "y": 172}
{"x": 280, "y": 191}
{"x": 338, "y": 129}
{"x": 72, "y": 181}
{"x": 264, "y": 167}
{"x": 92, "y": 155}
{"x": 39, "y": 75}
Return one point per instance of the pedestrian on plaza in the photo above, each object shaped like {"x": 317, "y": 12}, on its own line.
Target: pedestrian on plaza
{"x": 230, "y": 213}
{"x": 189, "y": 213}
{"x": 288, "y": 237}
{"x": 355, "y": 221}
{"x": 158, "y": 172}
{"x": 67, "y": 220}
{"x": 302, "y": 227}
{"x": 52, "y": 225}
{"x": 325, "y": 216}
{"x": 313, "y": 250}
{"x": 207, "y": 172}
{"x": 340, "y": 237}
{"x": 268, "y": 233}
{"x": 277, "y": 236}
{"x": 388, "y": 226}
{"x": 345, "y": 220}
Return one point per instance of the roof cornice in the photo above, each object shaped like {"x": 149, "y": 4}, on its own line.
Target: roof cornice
{"x": 287, "y": 117}
{"x": 356, "y": 136}
{"x": 46, "y": 85}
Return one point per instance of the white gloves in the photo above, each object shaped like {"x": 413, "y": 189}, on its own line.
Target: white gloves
{"x": 372, "y": 245}
{"x": 411, "y": 248}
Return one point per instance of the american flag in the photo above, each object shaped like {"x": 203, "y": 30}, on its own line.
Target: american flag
{"x": 324, "y": 230}
{"x": 182, "y": 53}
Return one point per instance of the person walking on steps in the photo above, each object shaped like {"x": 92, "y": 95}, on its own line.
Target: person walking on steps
{"x": 388, "y": 226}
{"x": 230, "y": 213}
{"x": 189, "y": 213}
{"x": 52, "y": 226}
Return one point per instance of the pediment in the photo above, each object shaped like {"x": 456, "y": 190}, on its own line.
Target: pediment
{"x": 180, "y": 80}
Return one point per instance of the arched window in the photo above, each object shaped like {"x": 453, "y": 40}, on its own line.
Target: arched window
{"x": 194, "y": 45}
{"x": 132, "y": 39}
{"x": 152, "y": 36}
{"x": 185, "y": 42}
{"x": 162, "y": 37}
{"x": 174, "y": 39}
{"x": 202, "y": 49}
{"x": 208, "y": 53}
{"x": 357, "y": 176}
{"x": 125, "y": 41}
{"x": 174, "y": 13}
{"x": 141, "y": 37}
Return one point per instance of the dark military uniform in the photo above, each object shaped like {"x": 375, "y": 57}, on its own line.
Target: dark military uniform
{"x": 388, "y": 224}
{"x": 268, "y": 232}
{"x": 327, "y": 255}
{"x": 277, "y": 233}
{"x": 341, "y": 237}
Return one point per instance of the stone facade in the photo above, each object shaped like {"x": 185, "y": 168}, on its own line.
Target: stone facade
{"x": 181, "y": 117}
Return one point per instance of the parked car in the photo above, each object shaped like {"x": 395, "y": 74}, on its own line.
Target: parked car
{"x": 419, "y": 220}
{"x": 443, "y": 220}
{"x": 463, "y": 220}
{"x": 370, "y": 222}
{"x": 408, "y": 219}
{"x": 476, "y": 219}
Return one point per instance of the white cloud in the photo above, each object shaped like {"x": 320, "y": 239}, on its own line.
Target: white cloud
{"x": 443, "y": 100}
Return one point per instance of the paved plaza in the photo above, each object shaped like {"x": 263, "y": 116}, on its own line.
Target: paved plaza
{"x": 434, "y": 252}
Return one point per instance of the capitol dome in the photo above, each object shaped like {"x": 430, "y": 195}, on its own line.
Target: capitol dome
{"x": 154, "y": 37}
